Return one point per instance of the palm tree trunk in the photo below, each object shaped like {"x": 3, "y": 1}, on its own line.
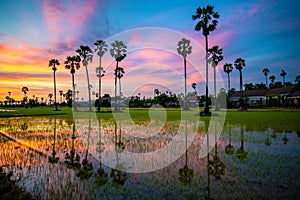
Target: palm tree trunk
{"x": 119, "y": 91}
{"x": 55, "y": 90}
{"x": 241, "y": 89}
{"x": 89, "y": 89}
{"x": 228, "y": 82}
{"x": 206, "y": 110}
{"x": 215, "y": 90}
{"x": 267, "y": 81}
{"x": 185, "y": 97}
{"x": 99, "y": 93}
{"x": 73, "y": 98}
{"x": 116, "y": 86}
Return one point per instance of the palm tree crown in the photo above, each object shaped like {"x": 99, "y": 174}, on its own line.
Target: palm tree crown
{"x": 72, "y": 63}
{"x": 101, "y": 47}
{"x": 215, "y": 55}
{"x": 283, "y": 74}
{"x": 25, "y": 90}
{"x": 184, "y": 48}
{"x": 239, "y": 64}
{"x": 266, "y": 71}
{"x": 118, "y": 50}
{"x": 227, "y": 68}
{"x": 208, "y": 19}
{"x": 53, "y": 63}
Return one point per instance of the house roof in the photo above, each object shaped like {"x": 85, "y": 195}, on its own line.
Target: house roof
{"x": 250, "y": 93}
{"x": 296, "y": 94}
{"x": 283, "y": 90}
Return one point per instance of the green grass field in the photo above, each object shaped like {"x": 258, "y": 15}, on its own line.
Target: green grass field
{"x": 282, "y": 119}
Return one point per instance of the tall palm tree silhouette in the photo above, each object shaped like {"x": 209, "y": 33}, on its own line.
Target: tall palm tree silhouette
{"x": 184, "y": 49}
{"x": 207, "y": 23}
{"x": 228, "y": 69}
{"x": 86, "y": 54}
{"x": 283, "y": 74}
{"x": 215, "y": 56}
{"x": 53, "y": 63}
{"x": 239, "y": 64}
{"x": 118, "y": 51}
{"x": 73, "y": 63}
{"x": 100, "y": 49}
{"x": 266, "y": 71}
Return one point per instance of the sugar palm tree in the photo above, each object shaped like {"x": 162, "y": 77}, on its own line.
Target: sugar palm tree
{"x": 266, "y": 71}
{"x": 53, "y": 63}
{"x": 25, "y": 90}
{"x": 283, "y": 74}
{"x": 194, "y": 85}
{"x": 100, "y": 49}
{"x": 50, "y": 95}
{"x": 207, "y": 23}
{"x": 215, "y": 56}
{"x": 118, "y": 52}
{"x": 228, "y": 69}
{"x": 239, "y": 64}
{"x": 73, "y": 63}
{"x": 272, "y": 78}
{"x": 61, "y": 94}
{"x": 119, "y": 73}
{"x": 184, "y": 49}
{"x": 86, "y": 54}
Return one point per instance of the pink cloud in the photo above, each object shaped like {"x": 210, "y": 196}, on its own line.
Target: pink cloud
{"x": 66, "y": 20}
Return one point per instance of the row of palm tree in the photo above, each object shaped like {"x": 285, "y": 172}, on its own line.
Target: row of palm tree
{"x": 85, "y": 54}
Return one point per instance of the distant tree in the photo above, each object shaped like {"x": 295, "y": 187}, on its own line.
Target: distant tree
{"x": 297, "y": 79}
{"x": 272, "y": 78}
{"x": 277, "y": 84}
{"x": 266, "y": 71}
{"x": 118, "y": 51}
{"x": 260, "y": 86}
{"x": 194, "y": 87}
{"x": 73, "y": 63}
{"x": 25, "y": 90}
{"x": 50, "y": 95}
{"x": 184, "y": 49}
{"x": 249, "y": 86}
{"x": 283, "y": 74}
{"x": 61, "y": 94}
{"x": 100, "y": 49}
{"x": 86, "y": 54}
{"x": 207, "y": 23}
{"x": 228, "y": 69}
{"x": 69, "y": 97}
{"x": 239, "y": 64}
{"x": 215, "y": 55}
{"x": 53, "y": 63}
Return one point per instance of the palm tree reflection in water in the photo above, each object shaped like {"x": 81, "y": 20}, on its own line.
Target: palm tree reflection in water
{"x": 186, "y": 174}
{"x": 118, "y": 175}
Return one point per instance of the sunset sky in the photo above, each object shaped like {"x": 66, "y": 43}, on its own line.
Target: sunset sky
{"x": 265, "y": 33}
